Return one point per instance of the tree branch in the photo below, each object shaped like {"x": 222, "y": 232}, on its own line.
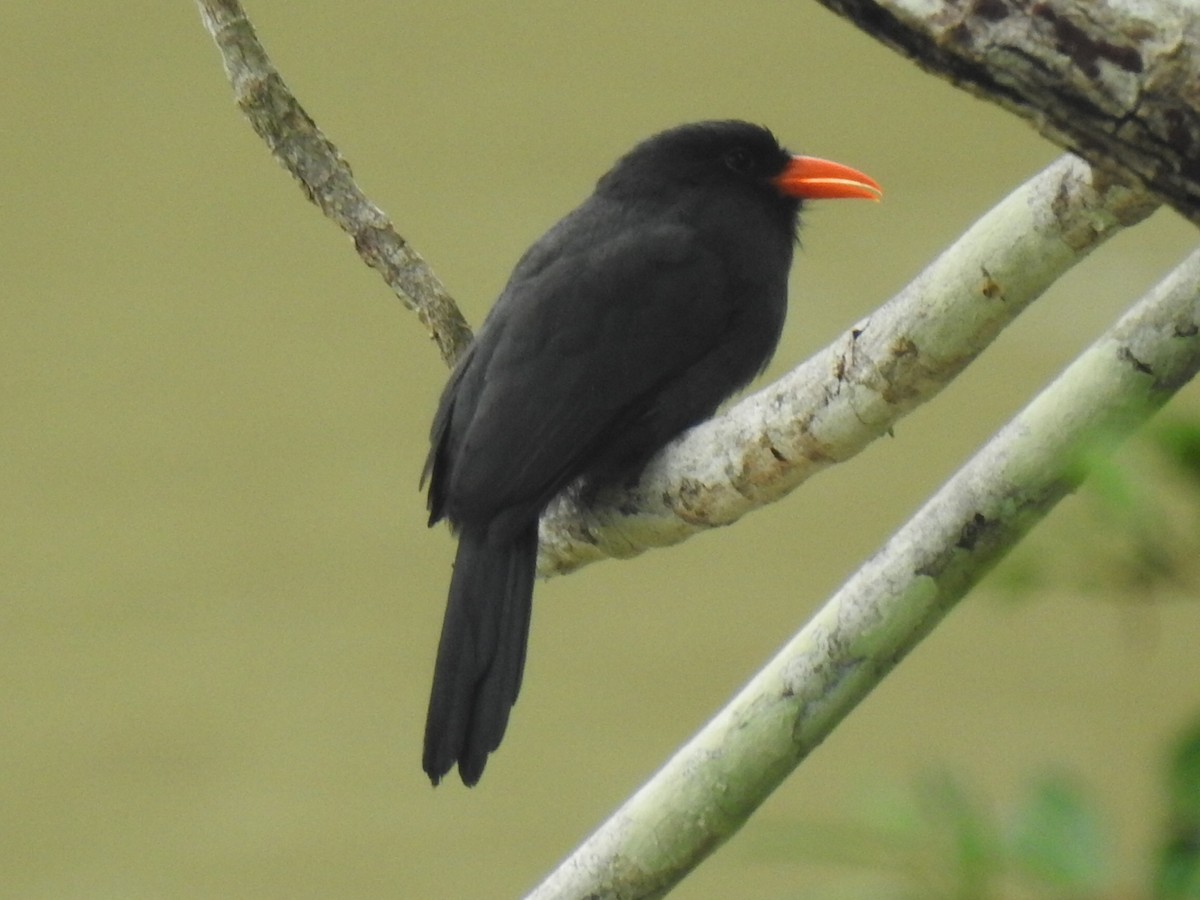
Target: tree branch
{"x": 1115, "y": 81}
{"x": 708, "y": 790}
{"x": 832, "y": 406}
{"x": 301, "y": 148}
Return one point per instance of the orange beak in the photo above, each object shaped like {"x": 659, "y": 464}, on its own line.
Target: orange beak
{"x": 810, "y": 178}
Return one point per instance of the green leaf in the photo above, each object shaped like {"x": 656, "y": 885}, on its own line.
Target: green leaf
{"x": 1178, "y": 875}
{"x": 973, "y": 853}
{"x": 1180, "y": 442}
{"x": 1058, "y": 839}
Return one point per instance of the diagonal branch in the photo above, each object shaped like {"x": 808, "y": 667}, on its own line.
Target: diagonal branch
{"x": 325, "y": 176}
{"x": 832, "y": 406}
{"x": 1116, "y": 81}
{"x": 708, "y": 790}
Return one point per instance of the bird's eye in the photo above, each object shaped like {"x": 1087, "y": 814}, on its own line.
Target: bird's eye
{"x": 740, "y": 160}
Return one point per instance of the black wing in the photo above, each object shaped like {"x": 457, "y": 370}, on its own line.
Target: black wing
{"x": 591, "y": 360}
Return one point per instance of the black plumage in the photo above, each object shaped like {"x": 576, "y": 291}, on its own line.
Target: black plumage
{"x": 629, "y": 321}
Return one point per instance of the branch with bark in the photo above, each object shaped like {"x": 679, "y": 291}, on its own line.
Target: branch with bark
{"x": 1118, "y": 83}
{"x": 711, "y": 786}
{"x": 855, "y": 390}
{"x": 300, "y": 147}
{"x": 1115, "y": 81}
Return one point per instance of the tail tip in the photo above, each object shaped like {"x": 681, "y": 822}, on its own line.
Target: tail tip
{"x": 470, "y": 771}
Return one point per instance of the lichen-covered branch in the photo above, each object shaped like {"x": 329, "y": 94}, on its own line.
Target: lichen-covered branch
{"x": 1115, "y": 81}
{"x": 325, "y": 176}
{"x": 835, "y": 404}
{"x": 709, "y": 789}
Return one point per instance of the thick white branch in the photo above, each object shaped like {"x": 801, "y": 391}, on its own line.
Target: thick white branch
{"x": 855, "y": 390}
{"x": 705, "y": 793}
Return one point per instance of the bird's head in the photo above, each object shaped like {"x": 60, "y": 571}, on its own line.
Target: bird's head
{"x": 723, "y": 157}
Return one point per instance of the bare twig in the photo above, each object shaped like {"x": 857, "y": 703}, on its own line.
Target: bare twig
{"x": 303, "y": 150}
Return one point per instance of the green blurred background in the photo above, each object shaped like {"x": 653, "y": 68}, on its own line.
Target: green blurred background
{"x": 219, "y": 600}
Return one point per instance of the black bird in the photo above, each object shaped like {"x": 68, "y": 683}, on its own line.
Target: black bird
{"x": 625, "y": 324}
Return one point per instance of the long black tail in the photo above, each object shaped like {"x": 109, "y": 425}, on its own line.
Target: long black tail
{"x": 481, "y": 654}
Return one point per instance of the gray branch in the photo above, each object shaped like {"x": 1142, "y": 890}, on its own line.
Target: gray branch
{"x": 1115, "y": 81}
{"x": 300, "y": 147}
{"x": 711, "y": 786}
{"x": 835, "y": 404}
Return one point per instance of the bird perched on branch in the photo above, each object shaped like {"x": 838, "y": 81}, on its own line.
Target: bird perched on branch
{"x": 628, "y": 322}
